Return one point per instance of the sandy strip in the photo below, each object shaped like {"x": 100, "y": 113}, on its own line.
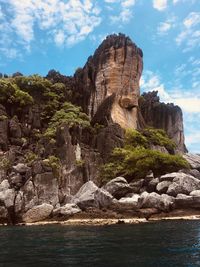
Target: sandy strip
{"x": 98, "y": 222}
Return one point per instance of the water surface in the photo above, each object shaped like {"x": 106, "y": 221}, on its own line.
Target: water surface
{"x": 153, "y": 244}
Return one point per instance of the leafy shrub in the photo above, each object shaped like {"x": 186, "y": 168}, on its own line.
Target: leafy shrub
{"x": 30, "y": 157}
{"x": 159, "y": 137}
{"x": 133, "y": 163}
{"x": 55, "y": 164}
{"x": 69, "y": 114}
{"x": 10, "y": 93}
{"x": 5, "y": 163}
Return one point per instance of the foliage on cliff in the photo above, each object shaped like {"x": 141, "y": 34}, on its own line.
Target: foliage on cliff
{"x": 69, "y": 114}
{"x": 136, "y": 159}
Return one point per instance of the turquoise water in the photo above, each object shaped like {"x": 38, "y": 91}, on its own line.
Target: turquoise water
{"x": 153, "y": 244}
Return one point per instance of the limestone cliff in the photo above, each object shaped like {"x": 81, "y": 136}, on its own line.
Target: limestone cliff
{"x": 111, "y": 78}
{"x": 49, "y": 148}
{"x": 165, "y": 116}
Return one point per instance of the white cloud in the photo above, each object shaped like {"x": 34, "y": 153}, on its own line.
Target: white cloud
{"x": 190, "y": 33}
{"x": 163, "y": 28}
{"x": 65, "y": 22}
{"x": 187, "y": 100}
{"x": 160, "y": 5}
{"x": 192, "y": 19}
{"x": 126, "y": 12}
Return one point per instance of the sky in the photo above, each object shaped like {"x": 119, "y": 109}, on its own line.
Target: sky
{"x": 39, "y": 35}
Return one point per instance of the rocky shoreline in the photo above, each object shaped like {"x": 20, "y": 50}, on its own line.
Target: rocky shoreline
{"x": 170, "y": 196}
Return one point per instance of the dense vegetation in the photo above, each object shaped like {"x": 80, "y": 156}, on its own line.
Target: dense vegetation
{"x": 136, "y": 158}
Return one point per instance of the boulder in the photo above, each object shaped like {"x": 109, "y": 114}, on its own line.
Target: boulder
{"x": 151, "y": 187}
{"x": 8, "y": 197}
{"x": 131, "y": 203}
{"x": 118, "y": 187}
{"x": 183, "y": 184}
{"x": 38, "y": 213}
{"x": 85, "y": 196}
{"x": 163, "y": 186}
{"x": 154, "y": 200}
{"x": 103, "y": 199}
{"x": 193, "y": 160}
{"x": 136, "y": 185}
{"x": 67, "y": 210}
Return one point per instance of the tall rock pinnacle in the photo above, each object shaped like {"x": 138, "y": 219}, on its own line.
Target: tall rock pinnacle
{"x": 109, "y": 82}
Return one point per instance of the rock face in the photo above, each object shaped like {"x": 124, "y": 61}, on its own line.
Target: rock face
{"x": 60, "y": 172}
{"x": 38, "y": 213}
{"x": 163, "y": 116}
{"x": 110, "y": 80}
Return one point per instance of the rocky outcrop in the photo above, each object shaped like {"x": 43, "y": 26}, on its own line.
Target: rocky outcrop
{"x": 38, "y": 213}
{"x": 164, "y": 116}
{"x": 118, "y": 187}
{"x": 58, "y": 175}
{"x": 110, "y": 82}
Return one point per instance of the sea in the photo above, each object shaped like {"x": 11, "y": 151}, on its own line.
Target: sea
{"x": 165, "y": 243}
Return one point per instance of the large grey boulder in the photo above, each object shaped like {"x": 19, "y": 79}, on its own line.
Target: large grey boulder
{"x": 103, "y": 199}
{"x": 68, "y": 209}
{"x": 193, "y": 160}
{"x": 151, "y": 187}
{"x": 183, "y": 184}
{"x": 136, "y": 185}
{"x": 153, "y": 200}
{"x": 130, "y": 203}
{"x": 8, "y": 197}
{"x": 118, "y": 187}
{"x": 38, "y": 213}
{"x": 162, "y": 187}
{"x": 89, "y": 195}
{"x": 84, "y": 198}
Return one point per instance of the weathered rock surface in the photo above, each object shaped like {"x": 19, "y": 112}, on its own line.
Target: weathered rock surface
{"x": 38, "y": 213}
{"x": 66, "y": 210}
{"x": 163, "y": 186}
{"x": 153, "y": 200}
{"x": 130, "y": 203}
{"x": 183, "y": 184}
{"x": 193, "y": 160}
{"x": 163, "y": 116}
{"x": 114, "y": 70}
{"x": 118, "y": 187}
{"x": 85, "y": 196}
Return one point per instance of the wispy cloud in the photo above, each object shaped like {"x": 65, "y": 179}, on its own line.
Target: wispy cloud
{"x": 66, "y": 22}
{"x": 126, "y": 12}
{"x": 160, "y": 5}
{"x": 189, "y": 37}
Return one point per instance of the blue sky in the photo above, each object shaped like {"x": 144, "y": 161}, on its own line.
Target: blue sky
{"x": 39, "y": 35}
